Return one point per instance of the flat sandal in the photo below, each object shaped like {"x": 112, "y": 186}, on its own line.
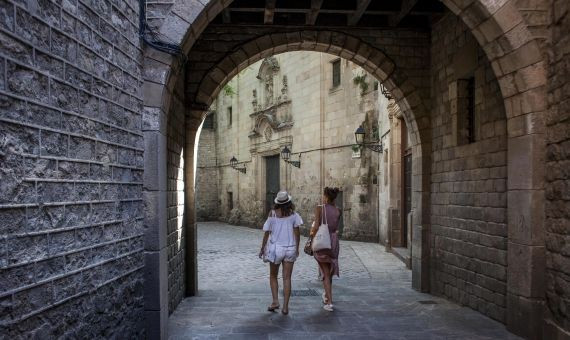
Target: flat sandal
{"x": 272, "y": 308}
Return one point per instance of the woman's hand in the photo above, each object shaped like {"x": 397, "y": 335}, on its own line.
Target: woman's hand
{"x": 261, "y": 252}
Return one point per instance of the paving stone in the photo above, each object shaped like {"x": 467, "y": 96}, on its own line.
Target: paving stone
{"x": 373, "y": 297}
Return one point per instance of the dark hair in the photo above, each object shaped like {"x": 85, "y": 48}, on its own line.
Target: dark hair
{"x": 331, "y": 193}
{"x": 287, "y": 209}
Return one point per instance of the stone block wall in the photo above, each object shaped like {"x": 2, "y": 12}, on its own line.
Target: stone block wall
{"x": 71, "y": 167}
{"x": 468, "y": 189}
{"x": 207, "y": 194}
{"x": 557, "y": 211}
{"x": 175, "y": 238}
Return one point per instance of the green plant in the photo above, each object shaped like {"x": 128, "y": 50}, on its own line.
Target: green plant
{"x": 229, "y": 90}
{"x": 360, "y": 80}
{"x": 355, "y": 148}
{"x": 375, "y": 133}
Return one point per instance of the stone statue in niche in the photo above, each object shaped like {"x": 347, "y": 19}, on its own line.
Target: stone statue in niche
{"x": 269, "y": 90}
{"x": 254, "y": 101}
{"x": 284, "y": 89}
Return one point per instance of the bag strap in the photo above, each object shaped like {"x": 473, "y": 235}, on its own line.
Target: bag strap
{"x": 324, "y": 214}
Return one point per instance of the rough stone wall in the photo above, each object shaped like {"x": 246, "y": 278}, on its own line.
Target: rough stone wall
{"x": 175, "y": 241}
{"x": 557, "y": 210}
{"x": 207, "y": 193}
{"x": 71, "y": 169}
{"x": 468, "y": 190}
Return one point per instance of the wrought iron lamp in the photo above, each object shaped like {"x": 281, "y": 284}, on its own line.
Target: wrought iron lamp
{"x": 385, "y": 92}
{"x": 360, "y": 135}
{"x": 286, "y": 155}
{"x": 234, "y": 165}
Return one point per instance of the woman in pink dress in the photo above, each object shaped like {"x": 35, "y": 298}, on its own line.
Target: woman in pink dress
{"x": 328, "y": 258}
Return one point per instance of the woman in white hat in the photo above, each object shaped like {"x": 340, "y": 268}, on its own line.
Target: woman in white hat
{"x": 282, "y": 232}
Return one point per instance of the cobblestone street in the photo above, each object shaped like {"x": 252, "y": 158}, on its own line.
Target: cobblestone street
{"x": 373, "y": 297}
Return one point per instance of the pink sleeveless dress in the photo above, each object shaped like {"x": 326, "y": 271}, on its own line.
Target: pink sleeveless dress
{"x": 331, "y": 255}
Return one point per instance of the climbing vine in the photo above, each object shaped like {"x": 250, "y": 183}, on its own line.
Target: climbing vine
{"x": 229, "y": 90}
{"x": 360, "y": 80}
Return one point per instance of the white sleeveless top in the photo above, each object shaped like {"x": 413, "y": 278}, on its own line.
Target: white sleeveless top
{"x": 281, "y": 228}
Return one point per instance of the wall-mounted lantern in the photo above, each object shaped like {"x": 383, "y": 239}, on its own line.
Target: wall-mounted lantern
{"x": 286, "y": 155}
{"x": 360, "y": 135}
{"x": 234, "y": 165}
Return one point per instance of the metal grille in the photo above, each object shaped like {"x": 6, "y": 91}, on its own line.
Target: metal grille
{"x": 428, "y": 302}
{"x": 471, "y": 110}
{"x": 303, "y": 292}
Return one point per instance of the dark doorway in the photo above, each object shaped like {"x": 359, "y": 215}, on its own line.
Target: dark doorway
{"x": 407, "y": 195}
{"x": 272, "y": 184}
{"x": 340, "y": 205}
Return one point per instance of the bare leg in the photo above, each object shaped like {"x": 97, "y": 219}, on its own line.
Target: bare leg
{"x": 327, "y": 280}
{"x": 273, "y": 272}
{"x": 287, "y": 270}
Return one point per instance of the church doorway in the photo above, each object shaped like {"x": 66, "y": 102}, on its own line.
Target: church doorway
{"x": 272, "y": 185}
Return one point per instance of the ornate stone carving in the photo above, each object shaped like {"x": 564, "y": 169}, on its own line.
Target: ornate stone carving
{"x": 268, "y": 90}
{"x": 268, "y": 133}
{"x": 284, "y": 89}
{"x": 254, "y": 101}
{"x": 268, "y": 65}
{"x": 271, "y": 109}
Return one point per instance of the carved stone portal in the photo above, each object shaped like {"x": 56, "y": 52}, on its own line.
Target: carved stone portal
{"x": 276, "y": 111}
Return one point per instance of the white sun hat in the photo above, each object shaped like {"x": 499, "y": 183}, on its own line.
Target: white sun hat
{"x": 282, "y": 197}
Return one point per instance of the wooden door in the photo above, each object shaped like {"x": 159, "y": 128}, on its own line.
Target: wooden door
{"x": 407, "y": 195}
{"x": 272, "y": 184}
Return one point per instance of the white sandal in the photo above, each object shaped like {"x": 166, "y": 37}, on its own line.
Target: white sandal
{"x": 328, "y": 307}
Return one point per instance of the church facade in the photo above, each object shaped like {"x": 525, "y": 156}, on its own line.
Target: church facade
{"x": 310, "y": 103}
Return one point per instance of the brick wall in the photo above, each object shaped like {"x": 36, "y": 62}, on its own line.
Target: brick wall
{"x": 557, "y": 221}
{"x": 175, "y": 202}
{"x": 468, "y": 190}
{"x": 70, "y": 169}
{"x": 207, "y": 193}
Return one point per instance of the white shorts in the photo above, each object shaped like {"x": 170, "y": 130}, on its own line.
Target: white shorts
{"x": 282, "y": 253}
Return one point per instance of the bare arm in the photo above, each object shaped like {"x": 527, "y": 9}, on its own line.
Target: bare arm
{"x": 316, "y": 223}
{"x": 297, "y": 238}
{"x": 263, "y": 243}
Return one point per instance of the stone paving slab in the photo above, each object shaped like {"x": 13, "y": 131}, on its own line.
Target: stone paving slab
{"x": 373, "y": 298}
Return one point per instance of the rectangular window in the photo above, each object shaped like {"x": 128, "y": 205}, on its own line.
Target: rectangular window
{"x": 470, "y": 110}
{"x": 463, "y": 111}
{"x": 229, "y": 116}
{"x": 230, "y": 201}
{"x": 336, "y": 73}
{"x": 209, "y": 121}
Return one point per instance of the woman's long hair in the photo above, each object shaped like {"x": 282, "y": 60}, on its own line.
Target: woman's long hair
{"x": 331, "y": 193}
{"x": 287, "y": 209}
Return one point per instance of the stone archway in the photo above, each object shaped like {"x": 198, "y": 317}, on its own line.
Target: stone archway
{"x": 516, "y": 58}
{"x": 381, "y": 66}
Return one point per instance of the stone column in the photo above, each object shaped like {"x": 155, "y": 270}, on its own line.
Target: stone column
{"x": 526, "y": 251}
{"x": 155, "y": 194}
{"x": 192, "y": 122}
